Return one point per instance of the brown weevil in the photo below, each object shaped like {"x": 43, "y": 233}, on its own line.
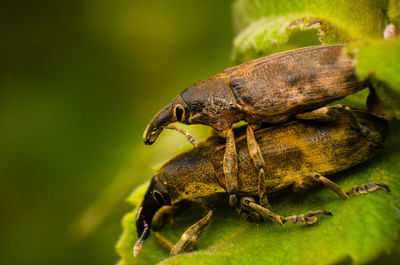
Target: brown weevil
{"x": 266, "y": 90}
{"x": 300, "y": 154}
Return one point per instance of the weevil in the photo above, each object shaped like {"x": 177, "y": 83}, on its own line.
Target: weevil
{"x": 300, "y": 154}
{"x": 266, "y": 90}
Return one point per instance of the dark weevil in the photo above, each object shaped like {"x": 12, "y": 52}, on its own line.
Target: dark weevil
{"x": 266, "y": 90}
{"x": 299, "y": 154}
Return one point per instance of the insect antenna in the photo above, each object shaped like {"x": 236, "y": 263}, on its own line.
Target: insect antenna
{"x": 188, "y": 135}
{"x": 138, "y": 245}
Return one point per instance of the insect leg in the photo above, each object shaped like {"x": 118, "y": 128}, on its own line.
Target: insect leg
{"x": 162, "y": 241}
{"x": 230, "y": 167}
{"x": 366, "y": 188}
{"x": 329, "y": 113}
{"x": 249, "y": 203}
{"x": 357, "y": 190}
{"x": 165, "y": 215}
{"x": 192, "y": 234}
{"x": 256, "y": 155}
{"x": 330, "y": 184}
{"x": 308, "y": 218}
{"x": 332, "y": 113}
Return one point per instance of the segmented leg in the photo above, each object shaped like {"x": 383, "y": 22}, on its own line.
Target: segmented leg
{"x": 249, "y": 203}
{"x": 192, "y": 234}
{"x": 230, "y": 167}
{"x": 165, "y": 215}
{"x": 330, "y": 184}
{"x": 332, "y": 113}
{"x": 367, "y": 188}
{"x": 162, "y": 241}
{"x": 256, "y": 156}
{"x": 357, "y": 190}
{"x": 309, "y": 218}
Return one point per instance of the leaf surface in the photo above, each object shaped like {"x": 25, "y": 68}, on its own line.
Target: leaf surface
{"x": 379, "y": 61}
{"x": 263, "y": 25}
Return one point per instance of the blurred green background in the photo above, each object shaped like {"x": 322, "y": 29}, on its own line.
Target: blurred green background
{"x": 79, "y": 81}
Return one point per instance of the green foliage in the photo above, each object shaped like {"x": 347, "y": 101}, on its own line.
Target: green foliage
{"x": 378, "y": 61}
{"x": 262, "y": 24}
{"x": 360, "y": 228}
{"x": 394, "y": 12}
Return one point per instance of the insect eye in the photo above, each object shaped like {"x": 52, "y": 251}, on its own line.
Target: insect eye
{"x": 179, "y": 112}
{"x": 158, "y": 197}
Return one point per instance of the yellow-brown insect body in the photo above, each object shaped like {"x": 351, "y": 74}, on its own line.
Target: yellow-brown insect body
{"x": 294, "y": 151}
{"x": 298, "y": 154}
{"x": 269, "y": 89}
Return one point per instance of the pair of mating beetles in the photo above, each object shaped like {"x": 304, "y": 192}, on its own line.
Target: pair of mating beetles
{"x": 251, "y": 163}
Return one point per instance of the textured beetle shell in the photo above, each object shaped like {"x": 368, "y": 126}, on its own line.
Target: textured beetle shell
{"x": 296, "y": 150}
{"x": 274, "y": 87}
{"x": 292, "y": 152}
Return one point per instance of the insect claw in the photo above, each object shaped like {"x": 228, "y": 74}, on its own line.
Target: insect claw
{"x": 367, "y": 188}
{"x": 312, "y": 213}
{"x": 383, "y": 185}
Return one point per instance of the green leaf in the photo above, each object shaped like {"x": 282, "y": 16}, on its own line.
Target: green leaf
{"x": 379, "y": 61}
{"x": 359, "y": 230}
{"x": 394, "y": 12}
{"x": 264, "y": 25}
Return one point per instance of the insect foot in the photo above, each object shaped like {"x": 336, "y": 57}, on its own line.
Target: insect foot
{"x": 309, "y": 218}
{"x": 166, "y": 214}
{"x": 357, "y": 190}
{"x": 367, "y": 188}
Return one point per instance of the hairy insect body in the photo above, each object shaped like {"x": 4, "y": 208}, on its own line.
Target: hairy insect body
{"x": 293, "y": 151}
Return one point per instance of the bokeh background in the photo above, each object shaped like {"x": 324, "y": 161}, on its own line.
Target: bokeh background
{"x": 79, "y": 81}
